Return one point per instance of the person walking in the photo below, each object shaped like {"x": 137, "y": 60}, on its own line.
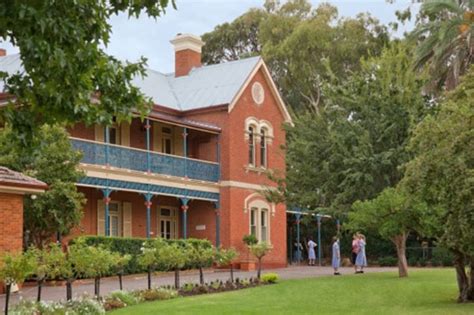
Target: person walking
{"x": 355, "y": 250}
{"x": 361, "y": 259}
{"x": 311, "y": 252}
{"x": 336, "y": 255}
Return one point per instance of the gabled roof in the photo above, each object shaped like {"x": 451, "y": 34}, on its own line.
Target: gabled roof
{"x": 206, "y": 86}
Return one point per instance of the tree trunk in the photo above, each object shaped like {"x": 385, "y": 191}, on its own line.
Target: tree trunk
{"x": 176, "y": 278}
{"x": 7, "y": 298}
{"x": 400, "y": 244}
{"x": 97, "y": 287}
{"x": 201, "y": 276}
{"x": 231, "y": 273}
{"x": 120, "y": 281}
{"x": 149, "y": 278}
{"x": 40, "y": 286}
{"x": 69, "y": 289}
{"x": 463, "y": 284}
{"x": 259, "y": 271}
{"x": 470, "y": 293}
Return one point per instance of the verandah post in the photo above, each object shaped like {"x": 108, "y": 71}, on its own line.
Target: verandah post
{"x": 185, "y": 207}
{"x": 218, "y": 223}
{"x": 148, "y": 197}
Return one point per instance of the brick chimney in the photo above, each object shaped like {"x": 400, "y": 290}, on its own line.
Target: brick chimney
{"x": 3, "y": 52}
{"x": 187, "y": 48}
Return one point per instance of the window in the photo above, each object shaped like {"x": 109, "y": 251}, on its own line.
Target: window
{"x": 166, "y": 140}
{"x": 259, "y": 224}
{"x": 253, "y": 221}
{"x": 114, "y": 221}
{"x": 251, "y": 146}
{"x": 263, "y": 149}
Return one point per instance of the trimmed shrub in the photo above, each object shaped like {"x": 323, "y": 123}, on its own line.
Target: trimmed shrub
{"x": 270, "y": 278}
{"x": 387, "y": 261}
{"x": 133, "y": 246}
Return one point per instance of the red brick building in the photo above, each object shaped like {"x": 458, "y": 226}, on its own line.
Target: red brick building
{"x": 194, "y": 167}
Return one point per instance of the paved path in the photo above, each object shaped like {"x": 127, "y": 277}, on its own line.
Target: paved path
{"x": 134, "y": 282}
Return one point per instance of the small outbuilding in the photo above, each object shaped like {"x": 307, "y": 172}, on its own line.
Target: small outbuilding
{"x": 13, "y": 187}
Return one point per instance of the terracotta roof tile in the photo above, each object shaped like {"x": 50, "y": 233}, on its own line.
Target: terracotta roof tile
{"x": 12, "y": 178}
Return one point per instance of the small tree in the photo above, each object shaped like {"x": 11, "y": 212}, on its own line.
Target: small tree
{"x": 15, "y": 268}
{"x": 174, "y": 257}
{"x": 249, "y": 240}
{"x": 119, "y": 265}
{"x": 201, "y": 255}
{"x": 48, "y": 263}
{"x": 225, "y": 257}
{"x": 149, "y": 257}
{"x": 101, "y": 264}
{"x": 259, "y": 251}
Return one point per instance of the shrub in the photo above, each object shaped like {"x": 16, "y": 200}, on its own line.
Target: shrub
{"x": 270, "y": 278}
{"x": 84, "y": 306}
{"x": 250, "y": 240}
{"x": 132, "y": 246}
{"x": 158, "y": 294}
{"x": 387, "y": 261}
{"x": 126, "y": 297}
{"x": 112, "y": 304}
{"x": 441, "y": 257}
{"x": 412, "y": 261}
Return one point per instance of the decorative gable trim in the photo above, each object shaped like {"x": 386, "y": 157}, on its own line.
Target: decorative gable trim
{"x": 281, "y": 105}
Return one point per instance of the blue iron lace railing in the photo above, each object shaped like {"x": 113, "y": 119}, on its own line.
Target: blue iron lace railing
{"x": 133, "y": 159}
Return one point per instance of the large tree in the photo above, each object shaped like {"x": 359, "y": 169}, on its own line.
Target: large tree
{"x": 49, "y": 158}
{"x": 297, "y": 40}
{"x": 445, "y": 32}
{"x": 442, "y": 174}
{"x": 67, "y": 75}
{"x": 353, "y": 146}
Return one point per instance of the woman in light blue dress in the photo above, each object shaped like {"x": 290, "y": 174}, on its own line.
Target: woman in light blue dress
{"x": 311, "y": 252}
{"x": 361, "y": 260}
{"x": 336, "y": 255}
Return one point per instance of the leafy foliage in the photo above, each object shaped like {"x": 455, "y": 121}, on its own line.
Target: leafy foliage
{"x": 49, "y": 158}
{"x": 297, "y": 40}
{"x": 445, "y": 33}
{"x": 62, "y": 51}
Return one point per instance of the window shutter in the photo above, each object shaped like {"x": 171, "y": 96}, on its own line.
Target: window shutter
{"x": 127, "y": 219}
{"x": 125, "y": 134}
{"x": 100, "y": 217}
{"x": 99, "y": 133}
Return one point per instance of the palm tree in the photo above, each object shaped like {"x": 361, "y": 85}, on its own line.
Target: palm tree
{"x": 445, "y": 35}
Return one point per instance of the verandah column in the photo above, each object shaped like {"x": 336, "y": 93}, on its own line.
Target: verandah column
{"x": 184, "y": 207}
{"x": 185, "y": 151}
{"x": 218, "y": 223}
{"x": 148, "y": 147}
{"x": 107, "y": 191}
{"x": 148, "y": 197}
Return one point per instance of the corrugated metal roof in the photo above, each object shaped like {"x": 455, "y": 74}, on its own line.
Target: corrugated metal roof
{"x": 203, "y": 87}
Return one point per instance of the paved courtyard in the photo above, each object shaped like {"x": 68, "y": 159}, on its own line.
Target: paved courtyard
{"x": 134, "y": 282}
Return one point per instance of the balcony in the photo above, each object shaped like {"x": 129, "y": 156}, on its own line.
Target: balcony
{"x": 137, "y": 160}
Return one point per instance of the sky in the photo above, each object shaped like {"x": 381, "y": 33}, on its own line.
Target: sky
{"x": 150, "y": 38}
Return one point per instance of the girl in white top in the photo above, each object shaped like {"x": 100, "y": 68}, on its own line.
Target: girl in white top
{"x": 311, "y": 253}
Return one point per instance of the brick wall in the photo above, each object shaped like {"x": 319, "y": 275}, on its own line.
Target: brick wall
{"x": 11, "y": 222}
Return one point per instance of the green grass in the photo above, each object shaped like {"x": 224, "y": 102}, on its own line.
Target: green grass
{"x": 424, "y": 292}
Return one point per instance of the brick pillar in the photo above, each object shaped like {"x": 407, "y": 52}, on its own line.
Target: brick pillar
{"x": 11, "y": 224}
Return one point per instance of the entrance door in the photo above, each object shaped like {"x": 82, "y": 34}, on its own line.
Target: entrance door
{"x": 168, "y": 222}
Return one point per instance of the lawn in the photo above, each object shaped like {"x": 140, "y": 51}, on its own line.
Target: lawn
{"x": 424, "y": 292}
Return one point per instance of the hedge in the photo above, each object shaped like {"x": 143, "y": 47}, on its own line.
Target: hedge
{"x": 132, "y": 246}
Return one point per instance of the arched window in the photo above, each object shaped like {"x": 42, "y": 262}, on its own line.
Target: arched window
{"x": 251, "y": 146}
{"x": 263, "y": 148}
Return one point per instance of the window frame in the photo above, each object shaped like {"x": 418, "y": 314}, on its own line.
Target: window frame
{"x": 252, "y": 145}
{"x": 259, "y": 221}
